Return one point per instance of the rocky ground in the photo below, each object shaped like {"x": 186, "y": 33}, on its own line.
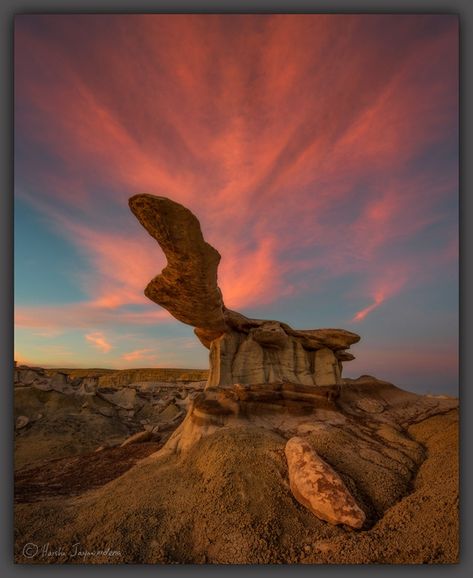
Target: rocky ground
{"x": 165, "y": 472}
{"x": 59, "y": 413}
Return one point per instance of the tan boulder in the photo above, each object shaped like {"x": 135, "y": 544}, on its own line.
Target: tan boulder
{"x": 342, "y": 355}
{"x": 317, "y": 486}
{"x": 332, "y": 338}
{"x": 270, "y": 334}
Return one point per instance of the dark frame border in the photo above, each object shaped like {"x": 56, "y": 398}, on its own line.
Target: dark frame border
{"x": 8, "y": 9}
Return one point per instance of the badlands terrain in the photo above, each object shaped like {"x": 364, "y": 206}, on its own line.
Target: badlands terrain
{"x": 144, "y": 466}
{"x": 269, "y": 457}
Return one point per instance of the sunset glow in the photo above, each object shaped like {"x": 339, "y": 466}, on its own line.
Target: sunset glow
{"x": 319, "y": 152}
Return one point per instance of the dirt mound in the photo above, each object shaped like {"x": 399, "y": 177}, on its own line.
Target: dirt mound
{"x": 227, "y": 500}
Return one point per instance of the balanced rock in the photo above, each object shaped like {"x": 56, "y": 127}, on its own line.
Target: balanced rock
{"x": 319, "y": 488}
{"x": 242, "y": 350}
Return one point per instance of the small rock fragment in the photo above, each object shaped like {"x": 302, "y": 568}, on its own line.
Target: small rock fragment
{"x": 22, "y": 421}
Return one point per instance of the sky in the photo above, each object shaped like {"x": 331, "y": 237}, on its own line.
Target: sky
{"x": 319, "y": 152}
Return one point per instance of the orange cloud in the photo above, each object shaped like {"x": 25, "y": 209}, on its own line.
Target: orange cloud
{"x": 378, "y": 299}
{"x": 247, "y": 276}
{"x": 99, "y": 341}
{"x": 140, "y": 354}
{"x": 267, "y": 130}
{"x": 384, "y": 285}
{"x": 58, "y": 318}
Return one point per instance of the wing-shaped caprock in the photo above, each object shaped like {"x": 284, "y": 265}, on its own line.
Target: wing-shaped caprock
{"x": 187, "y": 286}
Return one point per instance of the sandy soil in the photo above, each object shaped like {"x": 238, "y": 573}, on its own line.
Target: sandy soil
{"x": 227, "y": 501}
{"x": 71, "y": 476}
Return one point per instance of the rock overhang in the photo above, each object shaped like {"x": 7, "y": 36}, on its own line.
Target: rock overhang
{"x": 242, "y": 350}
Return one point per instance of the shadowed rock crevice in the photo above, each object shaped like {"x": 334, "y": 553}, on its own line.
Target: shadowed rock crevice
{"x": 242, "y": 350}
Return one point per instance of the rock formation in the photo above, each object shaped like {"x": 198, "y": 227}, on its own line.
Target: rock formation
{"x": 348, "y": 457}
{"x": 91, "y": 408}
{"x": 242, "y": 350}
{"x": 269, "y": 432}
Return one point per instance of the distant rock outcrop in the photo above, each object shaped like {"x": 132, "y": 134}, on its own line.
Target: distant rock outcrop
{"x": 242, "y": 350}
{"x": 61, "y": 412}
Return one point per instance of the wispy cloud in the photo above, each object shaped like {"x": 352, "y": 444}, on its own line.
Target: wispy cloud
{"x": 314, "y": 149}
{"x": 54, "y": 319}
{"x": 99, "y": 341}
{"x": 360, "y": 315}
{"x": 140, "y": 354}
{"x": 280, "y": 171}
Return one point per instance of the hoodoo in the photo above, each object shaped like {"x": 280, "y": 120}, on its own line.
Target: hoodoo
{"x": 242, "y": 350}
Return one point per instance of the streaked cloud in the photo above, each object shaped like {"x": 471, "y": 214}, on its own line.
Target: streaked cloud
{"x": 316, "y": 150}
{"x": 140, "y": 354}
{"x": 57, "y": 318}
{"x": 98, "y": 340}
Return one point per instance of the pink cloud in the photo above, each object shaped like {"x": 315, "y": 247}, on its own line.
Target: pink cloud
{"x": 378, "y": 299}
{"x": 268, "y": 142}
{"x": 381, "y": 287}
{"x": 98, "y": 339}
{"x": 52, "y": 319}
{"x": 140, "y": 354}
{"x": 247, "y": 276}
